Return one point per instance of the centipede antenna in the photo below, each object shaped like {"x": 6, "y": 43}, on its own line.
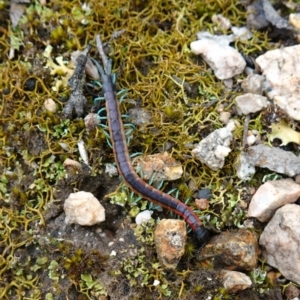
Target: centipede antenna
{"x": 105, "y": 61}
{"x": 101, "y": 111}
{"x": 98, "y": 66}
{"x": 135, "y": 154}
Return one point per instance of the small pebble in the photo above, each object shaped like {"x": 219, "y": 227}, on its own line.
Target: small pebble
{"x": 50, "y": 105}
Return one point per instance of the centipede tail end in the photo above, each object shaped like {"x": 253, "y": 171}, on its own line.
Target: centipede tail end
{"x": 202, "y": 235}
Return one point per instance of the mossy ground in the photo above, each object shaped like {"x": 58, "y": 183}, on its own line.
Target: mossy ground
{"x": 41, "y": 258}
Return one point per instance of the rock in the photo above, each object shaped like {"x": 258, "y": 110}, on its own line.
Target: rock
{"x": 170, "y": 240}
{"x": 253, "y": 137}
{"x": 294, "y": 20}
{"x": 157, "y": 167}
{"x": 280, "y": 67}
{"x": 72, "y": 166}
{"x": 221, "y": 21}
{"x": 143, "y": 217}
{"x": 272, "y": 195}
{"x": 84, "y": 209}
{"x": 274, "y": 159}
{"x": 291, "y": 292}
{"x": 202, "y": 203}
{"x": 250, "y": 103}
{"x": 140, "y": 116}
{"x": 281, "y": 242}
{"x": 241, "y": 33}
{"x": 232, "y": 250}
{"x": 91, "y": 121}
{"x": 111, "y": 170}
{"x": 50, "y": 105}
{"x": 223, "y": 59}
{"x": 214, "y": 148}
{"x": 234, "y": 281}
{"x": 253, "y": 84}
{"x": 256, "y": 17}
{"x": 244, "y": 169}
{"x": 225, "y": 116}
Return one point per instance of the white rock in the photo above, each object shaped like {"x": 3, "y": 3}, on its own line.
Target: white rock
{"x": 214, "y": 148}
{"x": 281, "y": 242}
{"x": 294, "y": 20}
{"x": 244, "y": 170}
{"x": 84, "y": 209}
{"x": 235, "y": 281}
{"x": 143, "y": 217}
{"x": 282, "y": 70}
{"x": 111, "y": 170}
{"x": 156, "y": 282}
{"x": 224, "y": 60}
{"x": 254, "y": 84}
{"x": 251, "y": 139}
{"x": 241, "y": 33}
{"x": 220, "y": 20}
{"x": 50, "y": 105}
{"x": 272, "y": 195}
{"x": 232, "y": 124}
{"x": 250, "y": 103}
{"x": 225, "y": 116}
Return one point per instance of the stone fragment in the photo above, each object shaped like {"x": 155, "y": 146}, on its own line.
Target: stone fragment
{"x": 232, "y": 250}
{"x": 143, "y": 217}
{"x": 223, "y": 59}
{"x": 225, "y": 116}
{"x": 282, "y": 70}
{"x": 274, "y": 159}
{"x": 281, "y": 242}
{"x": 292, "y": 292}
{"x": 170, "y": 240}
{"x": 140, "y": 116}
{"x": 250, "y": 103}
{"x": 214, "y": 148}
{"x": 202, "y": 203}
{"x": 50, "y": 105}
{"x": 72, "y": 166}
{"x": 294, "y": 20}
{"x": 84, "y": 209}
{"x": 256, "y": 18}
{"x": 253, "y": 84}
{"x": 221, "y": 21}
{"x": 91, "y": 121}
{"x": 244, "y": 170}
{"x": 158, "y": 167}
{"x": 234, "y": 281}
{"x": 272, "y": 195}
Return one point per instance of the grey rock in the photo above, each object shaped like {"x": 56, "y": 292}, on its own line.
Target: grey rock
{"x": 250, "y": 103}
{"x": 280, "y": 241}
{"x": 254, "y": 84}
{"x": 274, "y": 159}
{"x": 214, "y": 148}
